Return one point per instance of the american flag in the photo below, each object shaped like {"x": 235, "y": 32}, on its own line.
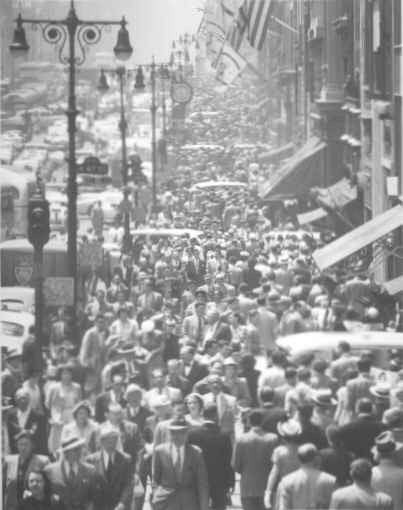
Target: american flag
{"x": 251, "y": 21}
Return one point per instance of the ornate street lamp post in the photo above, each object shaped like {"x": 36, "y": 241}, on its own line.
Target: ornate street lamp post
{"x": 72, "y": 31}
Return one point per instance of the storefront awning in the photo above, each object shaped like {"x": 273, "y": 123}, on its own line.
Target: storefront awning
{"x": 299, "y": 174}
{"x": 311, "y": 216}
{"x": 336, "y": 196}
{"x": 276, "y": 154}
{"x": 358, "y": 238}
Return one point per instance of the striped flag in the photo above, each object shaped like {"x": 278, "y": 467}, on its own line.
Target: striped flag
{"x": 238, "y": 31}
{"x": 259, "y": 17}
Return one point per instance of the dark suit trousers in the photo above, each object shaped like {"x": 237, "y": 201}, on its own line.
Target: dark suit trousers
{"x": 253, "y": 503}
{"x": 218, "y": 497}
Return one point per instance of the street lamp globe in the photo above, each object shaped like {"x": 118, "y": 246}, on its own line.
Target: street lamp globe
{"x": 102, "y": 83}
{"x": 123, "y": 49}
{"x": 19, "y": 43}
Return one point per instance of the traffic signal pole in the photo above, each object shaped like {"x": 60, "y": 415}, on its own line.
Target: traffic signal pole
{"x": 154, "y": 137}
{"x": 38, "y": 279}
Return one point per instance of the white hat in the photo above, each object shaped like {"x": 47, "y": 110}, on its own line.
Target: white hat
{"x": 108, "y": 430}
{"x": 71, "y": 442}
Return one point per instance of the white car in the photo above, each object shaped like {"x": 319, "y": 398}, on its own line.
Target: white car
{"x": 14, "y": 329}
{"x": 17, "y": 299}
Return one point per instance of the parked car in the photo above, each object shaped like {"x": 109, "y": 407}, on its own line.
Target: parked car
{"x": 324, "y": 343}
{"x": 14, "y": 329}
{"x": 17, "y": 299}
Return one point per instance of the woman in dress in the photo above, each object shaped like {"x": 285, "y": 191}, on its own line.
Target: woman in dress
{"x": 82, "y": 426}
{"x": 195, "y": 407}
{"x": 61, "y": 401}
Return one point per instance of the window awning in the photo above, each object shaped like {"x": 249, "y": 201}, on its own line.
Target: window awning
{"x": 311, "y": 216}
{"x": 336, "y": 196}
{"x": 358, "y": 238}
{"x": 299, "y": 174}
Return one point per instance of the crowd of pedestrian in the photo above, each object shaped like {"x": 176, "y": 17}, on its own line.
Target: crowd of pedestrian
{"x": 176, "y": 388}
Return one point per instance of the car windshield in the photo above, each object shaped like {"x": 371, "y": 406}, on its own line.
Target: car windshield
{"x": 11, "y": 328}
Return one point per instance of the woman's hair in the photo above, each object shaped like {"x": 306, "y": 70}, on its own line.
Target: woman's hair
{"x": 46, "y": 482}
{"x": 196, "y": 398}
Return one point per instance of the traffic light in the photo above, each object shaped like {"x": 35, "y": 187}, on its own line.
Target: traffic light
{"x": 139, "y": 83}
{"x": 38, "y": 221}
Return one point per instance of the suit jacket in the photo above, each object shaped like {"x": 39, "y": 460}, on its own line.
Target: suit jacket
{"x": 132, "y": 440}
{"x": 358, "y": 436}
{"x": 238, "y": 388}
{"x": 217, "y": 452}
{"x": 79, "y": 493}
{"x": 119, "y": 488}
{"x": 272, "y": 415}
{"x": 305, "y": 488}
{"x": 189, "y": 490}
{"x": 36, "y": 423}
{"x": 153, "y": 302}
{"x": 102, "y": 403}
{"x": 139, "y": 418}
{"x": 353, "y": 497}
{"x": 197, "y": 372}
{"x": 356, "y": 389}
{"x": 387, "y": 477}
{"x": 10, "y": 477}
{"x": 227, "y": 411}
{"x": 252, "y": 454}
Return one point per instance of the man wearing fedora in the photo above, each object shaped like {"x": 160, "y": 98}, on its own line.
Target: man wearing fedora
{"x": 74, "y": 481}
{"x": 387, "y": 476}
{"x": 16, "y": 468}
{"x": 179, "y": 477}
{"x": 324, "y": 408}
{"x": 114, "y": 469}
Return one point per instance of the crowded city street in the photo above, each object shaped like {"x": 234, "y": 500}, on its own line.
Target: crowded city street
{"x": 201, "y": 255}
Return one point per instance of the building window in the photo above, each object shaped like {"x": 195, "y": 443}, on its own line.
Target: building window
{"x": 387, "y": 139}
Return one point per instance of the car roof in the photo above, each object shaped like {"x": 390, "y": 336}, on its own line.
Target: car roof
{"x": 16, "y": 292}
{"x": 319, "y": 341}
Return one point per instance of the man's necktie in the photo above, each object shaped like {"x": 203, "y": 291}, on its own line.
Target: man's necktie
{"x": 109, "y": 469}
{"x": 199, "y": 336}
{"x": 178, "y": 463}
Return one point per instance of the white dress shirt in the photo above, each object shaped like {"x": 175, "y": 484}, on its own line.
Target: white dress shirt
{"x": 22, "y": 417}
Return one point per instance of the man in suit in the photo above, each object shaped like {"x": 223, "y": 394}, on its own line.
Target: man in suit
{"x": 307, "y": 487}
{"x": 23, "y": 417}
{"x": 162, "y": 429}
{"x": 359, "y": 435}
{"x": 194, "y": 325}
{"x": 179, "y": 477}
{"x": 149, "y": 302}
{"x": 226, "y": 405}
{"x": 115, "y": 396}
{"x": 114, "y": 470}
{"x": 194, "y": 371}
{"x": 160, "y": 387}
{"x": 272, "y": 414}
{"x": 134, "y": 411}
{"x": 387, "y": 476}
{"x": 344, "y": 363}
{"x": 217, "y": 451}
{"x": 238, "y": 387}
{"x": 175, "y": 379}
{"x": 130, "y": 440}
{"x": 16, "y": 469}
{"x": 360, "y": 494}
{"x": 252, "y": 454}
{"x": 358, "y": 387}
{"x": 74, "y": 481}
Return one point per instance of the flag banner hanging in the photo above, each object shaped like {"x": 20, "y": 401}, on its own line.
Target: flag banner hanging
{"x": 259, "y": 17}
{"x": 230, "y": 64}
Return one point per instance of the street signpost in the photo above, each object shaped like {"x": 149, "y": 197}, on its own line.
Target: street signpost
{"x": 92, "y": 165}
